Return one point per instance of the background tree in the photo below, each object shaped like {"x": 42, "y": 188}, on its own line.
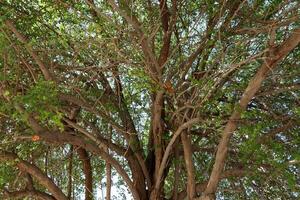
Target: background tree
{"x": 180, "y": 99}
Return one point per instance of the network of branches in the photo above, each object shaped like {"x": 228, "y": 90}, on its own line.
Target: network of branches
{"x": 149, "y": 99}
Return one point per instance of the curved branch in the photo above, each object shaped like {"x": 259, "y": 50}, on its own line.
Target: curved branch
{"x": 278, "y": 54}
{"x": 168, "y": 151}
{"x": 200, "y": 187}
{"x": 88, "y": 107}
{"x": 35, "y": 172}
{"x": 68, "y": 138}
{"x": 27, "y": 193}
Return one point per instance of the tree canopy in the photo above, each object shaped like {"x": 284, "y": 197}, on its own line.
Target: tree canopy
{"x": 166, "y": 99}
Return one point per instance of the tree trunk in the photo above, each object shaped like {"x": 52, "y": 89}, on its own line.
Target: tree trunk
{"x": 187, "y": 149}
{"x": 70, "y": 169}
{"x": 87, "y": 170}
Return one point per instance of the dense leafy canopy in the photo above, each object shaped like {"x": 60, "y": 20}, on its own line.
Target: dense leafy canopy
{"x": 170, "y": 99}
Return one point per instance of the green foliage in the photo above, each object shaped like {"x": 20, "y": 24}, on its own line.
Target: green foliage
{"x": 7, "y": 174}
{"x": 42, "y": 99}
{"x": 99, "y": 58}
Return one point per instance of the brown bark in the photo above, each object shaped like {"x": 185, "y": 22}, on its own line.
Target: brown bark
{"x": 103, "y": 143}
{"x": 140, "y": 169}
{"x": 155, "y": 191}
{"x": 27, "y": 193}
{"x": 164, "y": 12}
{"x": 165, "y": 18}
{"x": 88, "y": 173}
{"x": 56, "y": 137}
{"x": 108, "y": 181}
{"x": 29, "y": 185}
{"x": 176, "y": 173}
{"x": 36, "y": 173}
{"x": 137, "y": 165}
{"x": 157, "y": 134}
{"x": 108, "y": 172}
{"x": 188, "y": 153}
{"x": 200, "y": 187}
{"x": 68, "y": 138}
{"x": 158, "y": 130}
{"x": 277, "y": 55}
{"x": 70, "y": 169}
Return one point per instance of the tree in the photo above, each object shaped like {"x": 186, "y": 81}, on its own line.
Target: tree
{"x": 182, "y": 99}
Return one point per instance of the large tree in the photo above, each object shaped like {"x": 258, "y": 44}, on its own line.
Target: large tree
{"x": 179, "y": 99}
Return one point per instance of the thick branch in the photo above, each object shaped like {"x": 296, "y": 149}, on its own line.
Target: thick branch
{"x": 27, "y": 193}
{"x": 67, "y": 138}
{"x": 187, "y": 149}
{"x": 165, "y": 18}
{"x": 70, "y": 170}
{"x": 36, "y": 173}
{"x": 278, "y": 54}
{"x": 200, "y": 187}
{"x": 168, "y": 151}
{"x": 88, "y": 173}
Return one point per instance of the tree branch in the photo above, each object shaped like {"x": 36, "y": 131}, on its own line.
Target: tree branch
{"x": 43, "y": 68}
{"x": 27, "y": 193}
{"x": 35, "y": 172}
{"x": 168, "y": 151}
{"x": 279, "y": 53}
{"x": 88, "y": 173}
{"x": 200, "y": 187}
{"x": 188, "y": 158}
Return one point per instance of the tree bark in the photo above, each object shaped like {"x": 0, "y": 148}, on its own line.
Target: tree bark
{"x": 27, "y": 193}
{"x": 88, "y": 173}
{"x": 36, "y": 173}
{"x": 108, "y": 181}
{"x": 188, "y": 153}
{"x": 155, "y": 191}
{"x": 70, "y": 169}
{"x": 108, "y": 171}
{"x": 176, "y": 173}
{"x": 277, "y": 54}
